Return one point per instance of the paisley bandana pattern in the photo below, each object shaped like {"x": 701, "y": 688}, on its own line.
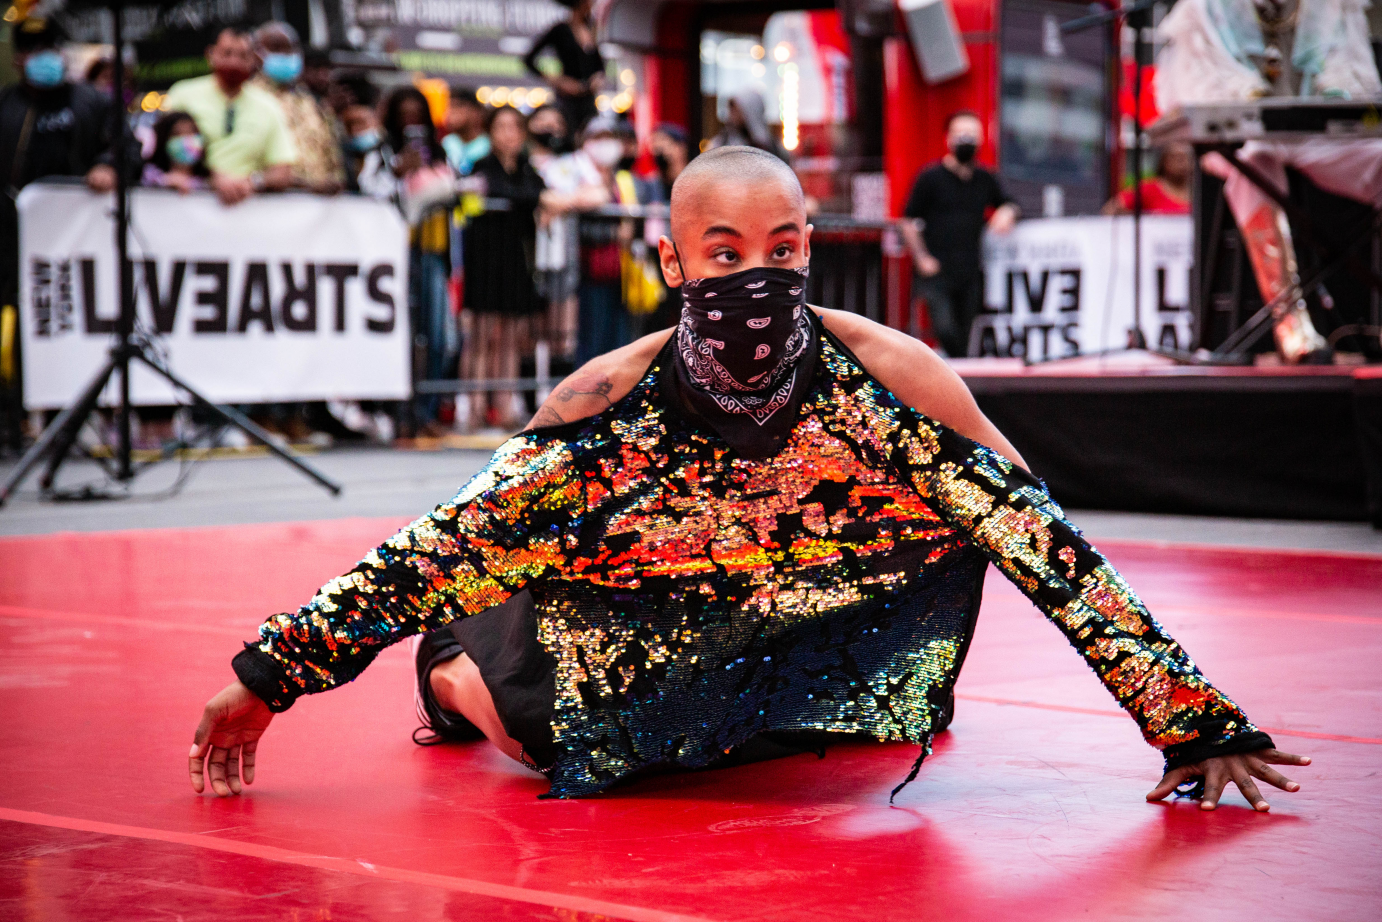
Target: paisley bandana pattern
{"x": 742, "y": 336}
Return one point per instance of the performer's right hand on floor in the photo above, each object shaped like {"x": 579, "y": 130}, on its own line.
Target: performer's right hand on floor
{"x": 226, "y": 740}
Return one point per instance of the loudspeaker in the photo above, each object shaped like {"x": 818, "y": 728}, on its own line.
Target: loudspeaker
{"x": 935, "y": 38}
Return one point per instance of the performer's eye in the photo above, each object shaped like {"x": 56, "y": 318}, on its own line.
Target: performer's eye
{"x": 783, "y": 251}
{"x": 726, "y": 256}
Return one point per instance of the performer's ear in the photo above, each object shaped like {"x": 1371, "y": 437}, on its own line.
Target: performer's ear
{"x": 670, "y": 260}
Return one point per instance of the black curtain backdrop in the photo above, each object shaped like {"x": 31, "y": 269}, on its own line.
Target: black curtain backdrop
{"x": 1273, "y": 448}
{"x": 1367, "y": 407}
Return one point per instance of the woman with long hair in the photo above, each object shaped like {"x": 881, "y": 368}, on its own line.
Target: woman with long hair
{"x": 577, "y": 48}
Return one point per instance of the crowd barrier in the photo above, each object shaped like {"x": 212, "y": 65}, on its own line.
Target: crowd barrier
{"x": 280, "y": 298}
{"x": 297, "y": 297}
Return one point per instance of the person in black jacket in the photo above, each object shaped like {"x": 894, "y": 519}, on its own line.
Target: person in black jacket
{"x": 955, "y": 200}
{"x": 48, "y": 127}
{"x": 582, "y": 66}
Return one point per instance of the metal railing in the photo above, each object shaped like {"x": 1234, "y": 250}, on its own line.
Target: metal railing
{"x": 849, "y": 272}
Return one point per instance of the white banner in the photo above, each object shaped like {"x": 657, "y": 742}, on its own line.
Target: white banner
{"x": 279, "y": 298}
{"x": 1063, "y": 286}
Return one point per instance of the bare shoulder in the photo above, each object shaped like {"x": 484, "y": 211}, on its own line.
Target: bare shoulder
{"x": 904, "y": 365}
{"x": 920, "y": 378}
{"x": 599, "y": 383}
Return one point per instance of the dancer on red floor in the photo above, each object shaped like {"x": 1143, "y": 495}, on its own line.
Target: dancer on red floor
{"x": 767, "y": 524}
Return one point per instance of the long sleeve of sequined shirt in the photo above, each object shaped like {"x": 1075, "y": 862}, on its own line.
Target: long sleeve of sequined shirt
{"x": 1010, "y": 516}
{"x": 467, "y": 555}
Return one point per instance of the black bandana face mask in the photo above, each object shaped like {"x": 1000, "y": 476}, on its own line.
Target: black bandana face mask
{"x": 745, "y": 348}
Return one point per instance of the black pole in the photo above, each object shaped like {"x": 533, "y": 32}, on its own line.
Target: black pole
{"x": 124, "y": 284}
{"x": 1138, "y": 21}
{"x": 1137, "y": 16}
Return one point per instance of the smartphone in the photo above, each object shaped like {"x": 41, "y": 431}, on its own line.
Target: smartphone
{"x": 416, "y": 136}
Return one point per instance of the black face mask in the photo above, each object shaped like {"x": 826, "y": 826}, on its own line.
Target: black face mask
{"x": 626, "y": 163}
{"x": 662, "y": 163}
{"x": 745, "y": 350}
{"x": 965, "y": 152}
{"x": 554, "y": 142}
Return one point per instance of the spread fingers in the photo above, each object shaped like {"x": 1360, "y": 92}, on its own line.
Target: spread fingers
{"x": 1272, "y": 776}
{"x": 1214, "y": 782}
{"x": 233, "y": 769}
{"x": 1249, "y": 789}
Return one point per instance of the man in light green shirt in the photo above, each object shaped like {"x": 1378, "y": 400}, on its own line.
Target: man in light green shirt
{"x": 248, "y": 147}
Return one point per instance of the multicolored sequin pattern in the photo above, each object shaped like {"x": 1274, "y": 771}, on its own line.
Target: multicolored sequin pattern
{"x": 501, "y": 531}
{"x": 694, "y": 598}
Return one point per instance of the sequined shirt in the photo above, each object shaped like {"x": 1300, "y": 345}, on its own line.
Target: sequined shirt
{"x": 694, "y": 598}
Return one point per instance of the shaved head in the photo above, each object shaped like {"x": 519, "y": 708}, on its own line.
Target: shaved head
{"x": 709, "y": 174}
{"x": 735, "y": 208}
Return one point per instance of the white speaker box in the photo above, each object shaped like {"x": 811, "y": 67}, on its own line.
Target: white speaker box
{"x": 935, "y": 38}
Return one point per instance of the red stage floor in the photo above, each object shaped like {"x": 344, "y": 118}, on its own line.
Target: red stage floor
{"x": 1032, "y": 807}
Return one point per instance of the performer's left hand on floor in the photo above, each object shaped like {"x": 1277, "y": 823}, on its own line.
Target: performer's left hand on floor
{"x": 1240, "y": 769}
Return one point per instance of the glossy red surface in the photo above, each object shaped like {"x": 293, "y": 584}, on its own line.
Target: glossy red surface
{"x": 1032, "y": 806}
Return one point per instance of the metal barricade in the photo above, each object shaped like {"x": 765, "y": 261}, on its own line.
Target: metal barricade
{"x": 852, "y": 270}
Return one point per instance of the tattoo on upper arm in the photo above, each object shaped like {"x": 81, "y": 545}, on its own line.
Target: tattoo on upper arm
{"x": 586, "y": 386}
{"x": 580, "y": 386}
{"x": 546, "y": 416}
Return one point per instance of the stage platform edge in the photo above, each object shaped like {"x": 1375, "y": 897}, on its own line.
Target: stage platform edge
{"x": 1141, "y": 434}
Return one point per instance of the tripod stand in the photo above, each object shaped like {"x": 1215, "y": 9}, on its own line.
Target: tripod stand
{"x": 57, "y": 440}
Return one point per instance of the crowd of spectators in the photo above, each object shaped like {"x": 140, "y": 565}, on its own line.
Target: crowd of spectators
{"x": 506, "y": 279}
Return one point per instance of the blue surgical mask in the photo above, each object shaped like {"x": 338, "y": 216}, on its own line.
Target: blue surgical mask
{"x": 186, "y": 149}
{"x": 283, "y": 68}
{"x": 45, "y": 69}
{"x": 365, "y": 141}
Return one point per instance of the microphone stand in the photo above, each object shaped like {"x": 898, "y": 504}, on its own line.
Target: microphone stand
{"x": 1138, "y": 17}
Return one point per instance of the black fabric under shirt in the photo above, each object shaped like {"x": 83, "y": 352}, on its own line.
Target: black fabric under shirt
{"x": 954, "y": 210}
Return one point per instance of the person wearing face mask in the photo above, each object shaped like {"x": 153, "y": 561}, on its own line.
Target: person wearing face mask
{"x": 178, "y": 160}
{"x": 668, "y": 144}
{"x": 318, "y": 167}
{"x": 248, "y": 146}
{"x": 548, "y": 134}
{"x": 602, "y": 323}
{"x": 48, "y": 127}
{"x": 952, "y": 200}
{"x": 573, "y": 185}
{"x": 466, "y": 142}
{"x": 360, "y": 147}
{"x": 738, "y": 537}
